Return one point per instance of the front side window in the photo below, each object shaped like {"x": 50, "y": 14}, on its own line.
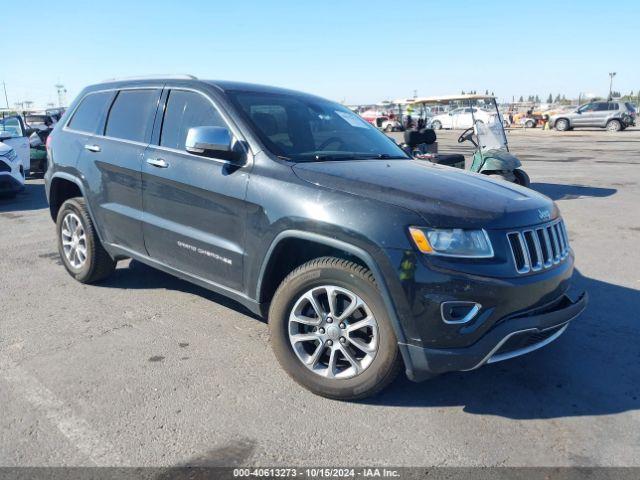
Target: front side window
{"x": 186, "y": 110}
{"x": 131, "y": 115}
{"x": 304, "y": 128}
{"x": 89, "y": 113}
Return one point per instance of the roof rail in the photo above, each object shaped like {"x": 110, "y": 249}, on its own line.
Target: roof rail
{"x": 153, "y": 77}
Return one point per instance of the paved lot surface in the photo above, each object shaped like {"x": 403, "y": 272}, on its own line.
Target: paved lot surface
{"x": 146, "y": 369}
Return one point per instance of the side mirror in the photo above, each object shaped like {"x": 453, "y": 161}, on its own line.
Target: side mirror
{"x": 210, "y": 142}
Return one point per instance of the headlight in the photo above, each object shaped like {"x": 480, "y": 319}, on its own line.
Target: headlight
{"x": 11, "y": 155}
{"x": 454, "y": 242}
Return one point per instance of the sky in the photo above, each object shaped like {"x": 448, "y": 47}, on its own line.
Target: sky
{"x": 348, "y": 51}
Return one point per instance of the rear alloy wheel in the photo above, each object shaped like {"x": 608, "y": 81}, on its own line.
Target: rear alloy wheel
{"x": 436, "y": 125}
{"x": 330, "y": 330}
{"x": 614, "y": 125}
{"x": 80, "y": 249}
{"x": 562, "y": 125}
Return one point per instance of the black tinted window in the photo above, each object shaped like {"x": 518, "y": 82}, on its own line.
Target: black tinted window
{"x": 88, "y": 115}
{"x": 601, "y": 106}
{"x": 131, "y": 115}
{"x": 184, "y": 111}
{"x": 614, "y": 106}
{"x": 630, "y": 107}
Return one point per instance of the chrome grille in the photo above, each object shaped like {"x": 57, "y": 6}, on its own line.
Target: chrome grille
{"x": 539, "y": 248}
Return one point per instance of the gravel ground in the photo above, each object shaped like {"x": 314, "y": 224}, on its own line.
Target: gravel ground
{"x": 149, "y": 370}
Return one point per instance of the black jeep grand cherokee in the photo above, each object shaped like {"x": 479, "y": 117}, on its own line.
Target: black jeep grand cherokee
{"x": 363, "y": 259}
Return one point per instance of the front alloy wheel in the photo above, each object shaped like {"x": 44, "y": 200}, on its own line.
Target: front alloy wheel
{"x": 333, "y": 332}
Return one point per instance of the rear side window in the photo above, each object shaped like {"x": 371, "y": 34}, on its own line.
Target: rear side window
{"x": 184, "y": 111}
{"x": 89, "y": 113}
{"x": 614, "y": 106}
{"x": 630, "y": 107}
{"x": 131, "y": 115}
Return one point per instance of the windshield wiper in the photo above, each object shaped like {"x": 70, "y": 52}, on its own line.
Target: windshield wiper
{"x": 386, "y": 156}
{"x": 327, "y": 158}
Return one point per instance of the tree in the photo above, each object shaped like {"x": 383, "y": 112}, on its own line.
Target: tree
{"x": 486, "y": 92}
{"x": 558, "y": 98}
{"x": 521, "y": 99}
{"x": 537, "y": 99}
{"x": 462, "y": 92}
{"x": 550, "y": 98}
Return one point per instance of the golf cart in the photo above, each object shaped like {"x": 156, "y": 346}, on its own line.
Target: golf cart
{"x": 492, "y": 156}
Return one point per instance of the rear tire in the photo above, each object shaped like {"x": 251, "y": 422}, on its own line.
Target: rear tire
{"x": 530, "y": 124}
{"x": 319, "y": 361}
{"x": 614, "y": 125}
{"x": 80, "y": 249}
{"x": 436, "y": 125}
{"x": 522, "y": 178}
{"x": 562, "y": 125}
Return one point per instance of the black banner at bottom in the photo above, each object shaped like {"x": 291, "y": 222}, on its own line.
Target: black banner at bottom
{"x": 313, "y": 473}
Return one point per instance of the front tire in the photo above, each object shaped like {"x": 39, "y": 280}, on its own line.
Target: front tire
{"x": 436, "y": 125}
{"x": 522, "y": 178}
{"x": 330, "y": 330}
{"x": 80, "y": 249}
{"x": 562, "y": 125}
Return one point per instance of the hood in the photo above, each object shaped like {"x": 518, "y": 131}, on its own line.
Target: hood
{"x": 445, "y": 197}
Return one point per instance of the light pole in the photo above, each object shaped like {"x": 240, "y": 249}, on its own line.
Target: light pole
{"x": 611, "y": 75}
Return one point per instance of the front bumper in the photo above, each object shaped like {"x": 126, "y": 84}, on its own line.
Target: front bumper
{"x": 510, "y": 338}
{"x": 9, "y": 184}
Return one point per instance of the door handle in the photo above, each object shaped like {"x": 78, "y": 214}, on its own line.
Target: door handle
{"x": 92, "y": 148}
{"x": 157, "y": 162}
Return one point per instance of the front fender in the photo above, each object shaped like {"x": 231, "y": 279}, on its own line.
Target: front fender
{"x": 381, "y": 272}
{"x": 499, "y": 160}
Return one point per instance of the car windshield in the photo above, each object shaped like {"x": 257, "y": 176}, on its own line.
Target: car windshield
{"x": 302, "y": 128}
{"x": 10, "y": 125}
{"x": 491, "y": 135}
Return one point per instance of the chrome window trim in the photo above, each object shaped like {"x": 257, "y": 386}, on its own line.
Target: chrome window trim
{"x": 104, "y": 90}
{"x": 238, "y": 136}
